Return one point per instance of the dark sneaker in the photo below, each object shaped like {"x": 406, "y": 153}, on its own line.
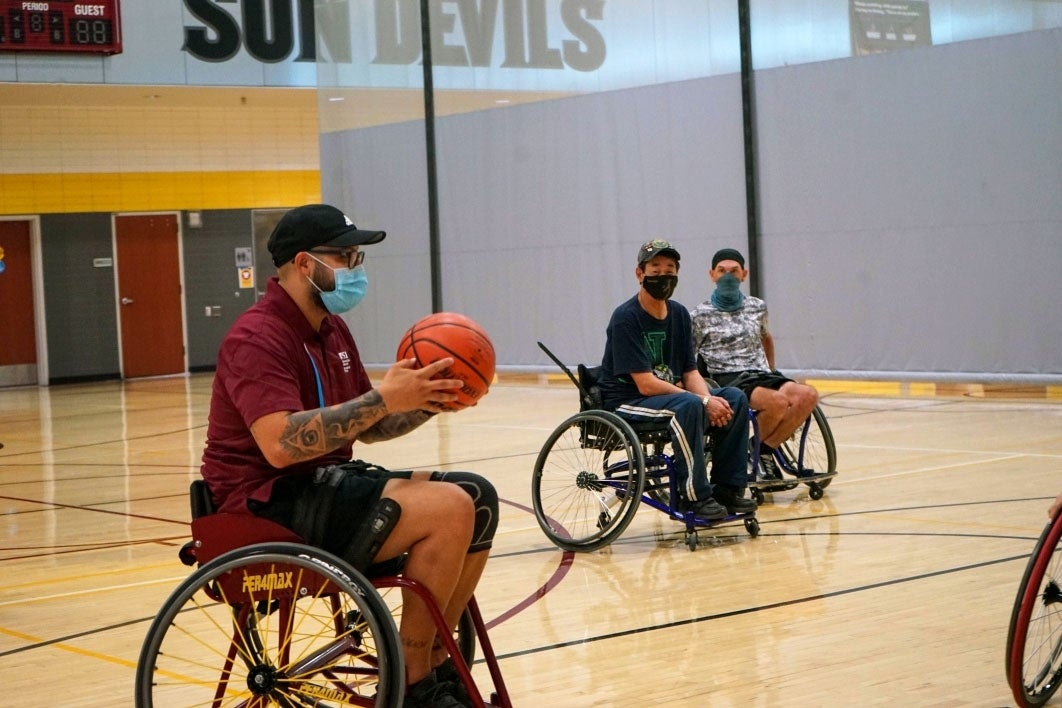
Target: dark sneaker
{"x": 708, "y": 509}
{"x": 806, "y": 472}
{"x": 734, "y": 502}
{"x": 430, "y": 693}
{"x": 446, "y": 673}
{"x": 769, "y": 471}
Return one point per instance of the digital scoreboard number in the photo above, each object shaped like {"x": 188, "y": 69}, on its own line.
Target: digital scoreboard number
{"x": 92, "y": 26}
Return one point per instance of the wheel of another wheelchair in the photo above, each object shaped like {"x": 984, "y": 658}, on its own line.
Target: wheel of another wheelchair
{"x": 1034, "y": 639}
{"x": 752, "y": 525}
{"x": 588, "y": 481}
{"x": 466, "y": 637}
{"x": 272, "y": 624}
{"x": 820, "y": 453}
{"x": 757, "y": 495}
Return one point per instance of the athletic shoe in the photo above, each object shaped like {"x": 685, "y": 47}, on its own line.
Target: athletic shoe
{"x": 446, "y": 673}
{"x": 769, "y": 471}
{"x": 734, "y": 501}
{"x": 708, "y": 509}
{"x": 430, "y": 693}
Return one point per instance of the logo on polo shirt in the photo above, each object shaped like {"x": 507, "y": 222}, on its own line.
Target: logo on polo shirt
{"x": 345, "y": 358}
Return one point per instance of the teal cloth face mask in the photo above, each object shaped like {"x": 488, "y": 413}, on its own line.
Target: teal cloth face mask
{"x": 350, "y": 287}
{"x": 727, "y": 295}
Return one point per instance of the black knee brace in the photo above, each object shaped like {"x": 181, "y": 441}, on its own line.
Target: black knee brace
{"x": 485, "y": 499}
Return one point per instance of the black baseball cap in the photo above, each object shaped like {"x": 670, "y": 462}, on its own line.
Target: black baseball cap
{"x": 307, "y": 227}
{"x": 728, "y": 254}
{"x": 655, "y": 248}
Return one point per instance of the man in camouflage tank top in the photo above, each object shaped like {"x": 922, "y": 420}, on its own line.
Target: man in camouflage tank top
{"x": 731, "y": 338}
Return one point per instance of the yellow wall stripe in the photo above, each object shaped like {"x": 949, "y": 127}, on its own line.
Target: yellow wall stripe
{"x": 156, "y": 191}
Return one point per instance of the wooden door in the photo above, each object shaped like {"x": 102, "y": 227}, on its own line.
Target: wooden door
{"x": 18, "y": 335}
{"x": 148, "y": 266}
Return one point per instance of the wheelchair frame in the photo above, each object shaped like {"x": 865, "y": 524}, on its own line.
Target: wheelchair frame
{"x": 306, "y": 627}
{"x": 1034, "y": 637}
{"x": 790, "y": 457}
{"x": 596, "y": 467}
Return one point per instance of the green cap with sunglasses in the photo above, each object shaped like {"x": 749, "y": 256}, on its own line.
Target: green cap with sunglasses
{"x": 655, "y": 248}
{"x": 313, "y": 225}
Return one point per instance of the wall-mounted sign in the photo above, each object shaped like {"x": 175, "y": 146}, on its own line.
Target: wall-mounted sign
{"x": 885, "y": 26}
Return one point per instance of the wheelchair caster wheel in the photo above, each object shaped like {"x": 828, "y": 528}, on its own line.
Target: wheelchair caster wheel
{"x": 815, "y": 491}
{"x": 757, "y": 495}
{"x": 752, "y": 526}
{"x": 691, "y": 540}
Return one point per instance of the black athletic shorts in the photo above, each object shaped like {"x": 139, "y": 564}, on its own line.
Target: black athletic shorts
{"x": 326, "y": 511}
{"x": 748, "y": 380}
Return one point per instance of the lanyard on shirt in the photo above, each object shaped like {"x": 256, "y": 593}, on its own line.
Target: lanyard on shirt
{"x": 316, "y": 375}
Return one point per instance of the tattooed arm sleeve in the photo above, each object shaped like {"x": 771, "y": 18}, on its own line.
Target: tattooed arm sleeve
{"x": 310, "y": 434}
{"x": 395, "y": 425}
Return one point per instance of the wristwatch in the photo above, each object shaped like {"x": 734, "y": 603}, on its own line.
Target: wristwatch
{"x": 705, "y": 399}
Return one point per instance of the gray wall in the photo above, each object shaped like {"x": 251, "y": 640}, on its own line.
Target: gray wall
{"x": 910, "y": 210}
{"x": 542, "y": 210}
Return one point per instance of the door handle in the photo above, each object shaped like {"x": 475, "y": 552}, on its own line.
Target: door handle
{"x": 127, "y": 301}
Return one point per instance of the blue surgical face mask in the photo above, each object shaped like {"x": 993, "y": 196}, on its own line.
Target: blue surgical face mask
{"x": 350, "y": 287}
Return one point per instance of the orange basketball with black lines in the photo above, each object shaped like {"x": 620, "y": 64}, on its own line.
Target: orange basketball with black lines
{"x": 449, "y": 334}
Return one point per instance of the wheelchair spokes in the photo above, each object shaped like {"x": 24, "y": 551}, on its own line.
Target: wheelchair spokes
{"x": 810, "y": 450}
{"x": 1034, "y": 639}
{"x": 298, "y": 633}
{"x": 587, "y": 481}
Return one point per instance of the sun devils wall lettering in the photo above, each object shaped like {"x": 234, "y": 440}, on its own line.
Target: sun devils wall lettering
{"x": 526, "y": 41}
{"x": 267, "y": 30}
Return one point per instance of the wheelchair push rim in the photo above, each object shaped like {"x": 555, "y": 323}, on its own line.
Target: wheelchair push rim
{"x": 272, "y": 623}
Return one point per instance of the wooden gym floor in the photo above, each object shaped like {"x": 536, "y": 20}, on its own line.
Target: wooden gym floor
{"x": 895, "y": 588}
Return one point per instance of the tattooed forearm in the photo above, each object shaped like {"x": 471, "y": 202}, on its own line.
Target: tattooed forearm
{"x": 395, "y": 425}
{"x": 310, "y": 434}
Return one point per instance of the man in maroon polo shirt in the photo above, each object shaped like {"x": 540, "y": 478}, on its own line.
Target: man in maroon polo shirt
{"x": 289, "y": 399}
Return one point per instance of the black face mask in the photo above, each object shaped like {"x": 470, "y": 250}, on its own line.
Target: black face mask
{"x": 660, "y": 287}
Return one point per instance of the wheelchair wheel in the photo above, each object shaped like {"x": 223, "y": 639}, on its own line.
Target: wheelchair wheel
{"x": 273, "y": 623}
{"x": 820, "y": 454}
{"x": 588, "y": 481}
{"x": 1034, "y": 639}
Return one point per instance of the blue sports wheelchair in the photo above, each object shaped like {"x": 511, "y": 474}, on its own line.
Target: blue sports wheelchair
{"x": 595, "y": 468}
{"x": 808, "y": 456}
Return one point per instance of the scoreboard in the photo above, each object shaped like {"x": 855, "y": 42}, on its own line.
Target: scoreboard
{"x": 91, "y": 26}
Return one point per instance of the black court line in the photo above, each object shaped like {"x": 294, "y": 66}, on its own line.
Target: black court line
{"x": 611, "y": 635}
{"x": 758, "y": 608}
{"x": 78, "y": 507}
{"x": 12, "y": 453}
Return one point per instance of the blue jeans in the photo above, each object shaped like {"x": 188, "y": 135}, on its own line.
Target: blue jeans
{"x": 688, "y": 426}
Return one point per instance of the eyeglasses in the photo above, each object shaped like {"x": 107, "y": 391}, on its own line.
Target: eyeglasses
{"x": 353, "y": 255}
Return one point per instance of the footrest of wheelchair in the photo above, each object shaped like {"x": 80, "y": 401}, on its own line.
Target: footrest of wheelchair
{"x": 812, "y": 477}
{"x": 702, "y": 523}
{"x": 788, "y": 482}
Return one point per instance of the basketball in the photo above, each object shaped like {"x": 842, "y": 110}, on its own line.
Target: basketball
{"x": 448, "y": 334}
